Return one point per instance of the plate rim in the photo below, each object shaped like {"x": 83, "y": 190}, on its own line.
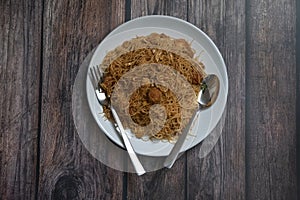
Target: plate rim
{"x": 215, "y": 48}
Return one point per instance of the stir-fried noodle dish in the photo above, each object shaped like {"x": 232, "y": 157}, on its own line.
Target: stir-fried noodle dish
{"x": 156, "y": 51}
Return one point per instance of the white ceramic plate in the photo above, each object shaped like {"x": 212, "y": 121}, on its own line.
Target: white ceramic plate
{"x": 175, "y": 28}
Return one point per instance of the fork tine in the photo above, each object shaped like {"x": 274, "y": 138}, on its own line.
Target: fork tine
{"x": 100, "y": 72}
{"x": 95, "y": 73}
{"x": 93, "y": 77}
{"x": 96, "y": 70}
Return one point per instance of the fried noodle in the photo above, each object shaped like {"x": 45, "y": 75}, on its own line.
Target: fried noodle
{"x": 154, "y": 49}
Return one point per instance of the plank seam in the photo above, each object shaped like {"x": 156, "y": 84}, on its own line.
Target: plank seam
{"x": 125, "y": 174}
{"x": 40, "y": 107}
{"x": 127, "y": 10}
{"x": 298, "y": 95}
{"x": 124, "y": 192}
{"x": 247, "y": 103}
{"x": 186, "y": 188}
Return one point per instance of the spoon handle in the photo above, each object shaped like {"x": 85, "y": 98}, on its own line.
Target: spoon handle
{"x": 170, "y": 160}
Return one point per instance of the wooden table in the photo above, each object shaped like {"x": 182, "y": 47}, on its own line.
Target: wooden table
{"x": 42, "y": 46}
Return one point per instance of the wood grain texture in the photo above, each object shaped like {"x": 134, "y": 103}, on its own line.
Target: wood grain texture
{"x": 174, "y": 8}
{"x": 221, "y": 174}
{"x": 20, "y": 29}
{"x": 298, "y": 96}
{"x": 41, "y": 155}
{"x": 162, "y": 184}
{"x": 271, "y": 100}
{"x": 67, "y": 170}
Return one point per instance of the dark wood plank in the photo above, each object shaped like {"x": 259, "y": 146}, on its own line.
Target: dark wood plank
{"x": 67, "y": 170}
{"x": 161, "y": 184}
{"x": 174, "y": 8}
{"x": 221, "y": 174}
{"x": 298, "y": 97}
{"x": 271, "y": 100}
{"x": 20, "y": 29}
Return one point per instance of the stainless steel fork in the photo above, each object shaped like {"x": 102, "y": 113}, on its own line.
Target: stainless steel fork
{"x": 96, "y": 75}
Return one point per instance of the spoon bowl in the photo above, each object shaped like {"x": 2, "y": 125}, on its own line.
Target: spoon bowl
{"x": 209, "y": 91}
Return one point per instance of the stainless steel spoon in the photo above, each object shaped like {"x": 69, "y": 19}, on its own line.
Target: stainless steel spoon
{"x": 207, "y": 96}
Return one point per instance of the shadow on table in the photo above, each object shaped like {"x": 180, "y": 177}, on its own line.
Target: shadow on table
{"x": 106, "y": 151}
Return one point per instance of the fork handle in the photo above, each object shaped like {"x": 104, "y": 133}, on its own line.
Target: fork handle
{"x": 134, "y": 159}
